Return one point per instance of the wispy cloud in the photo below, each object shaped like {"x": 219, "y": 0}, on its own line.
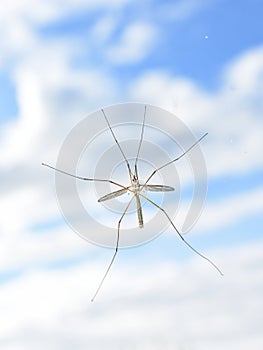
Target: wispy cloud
{"x": 233, "y": 147}
{"x": 232, "y": 123}
{"x": 134, "y": 44}
{"x": 203, "y": 308}
{"x": 161, "y": 302}
{"x": 231, "y": 210}
{"x": 183, "y": 9}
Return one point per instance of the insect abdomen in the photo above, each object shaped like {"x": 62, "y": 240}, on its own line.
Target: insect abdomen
{"x": 139, "y": 211}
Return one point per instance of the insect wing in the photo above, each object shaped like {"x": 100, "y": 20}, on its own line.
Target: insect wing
{"x": 158, "y": 188}
{"x": 113, "y": 195}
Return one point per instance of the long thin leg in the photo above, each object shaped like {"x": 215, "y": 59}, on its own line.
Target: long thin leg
{"x": 116, "y": 250}
{"x": 140, "y": 143}
{"x": 181, "y": 236}
{"x": 124, "y": 157}
{"x": 84, "y": 178}
{"x": 174, "y": 160}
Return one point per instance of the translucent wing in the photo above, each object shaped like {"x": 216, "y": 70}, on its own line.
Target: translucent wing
{"x": 158, "y": 188}
{"x": 113, "y": 195}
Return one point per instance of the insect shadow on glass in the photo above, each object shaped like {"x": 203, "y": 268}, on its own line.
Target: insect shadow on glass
{"x": 136, "y": 188}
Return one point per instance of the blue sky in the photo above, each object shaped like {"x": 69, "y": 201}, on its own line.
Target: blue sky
{"x": 216, "y": 34}
{"x": 203, "y": 62}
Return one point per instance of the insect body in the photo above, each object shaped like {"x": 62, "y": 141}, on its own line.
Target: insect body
{"x": 137, "y": 189}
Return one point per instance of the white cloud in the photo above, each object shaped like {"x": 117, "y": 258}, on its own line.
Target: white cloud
{"x": 220, "y": 213}
{"x": 51, "y": 308}
{"x": 183, "y": 9}
{"x": 22, "y": 247}
{"x": 104, "y": 28}
{"x": 49, "y": 103}
{"x": 244, "y": 74}
{"x": 232, "y": 116}
{"x": 145, "y": 310}
{"x": 20, "y": 20}
{"x": 37, "y": 11}
{"x": 231, "y": 210}
{"x": 22, "y": 250}
{"x": 134, "y": 44}
{"x": 45, "y": 119}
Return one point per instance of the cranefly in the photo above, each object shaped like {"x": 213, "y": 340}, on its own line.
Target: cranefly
{"x": 136, "y": 188}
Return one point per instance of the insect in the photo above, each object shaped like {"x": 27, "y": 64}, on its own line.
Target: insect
{"x": 137, "y": 190}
